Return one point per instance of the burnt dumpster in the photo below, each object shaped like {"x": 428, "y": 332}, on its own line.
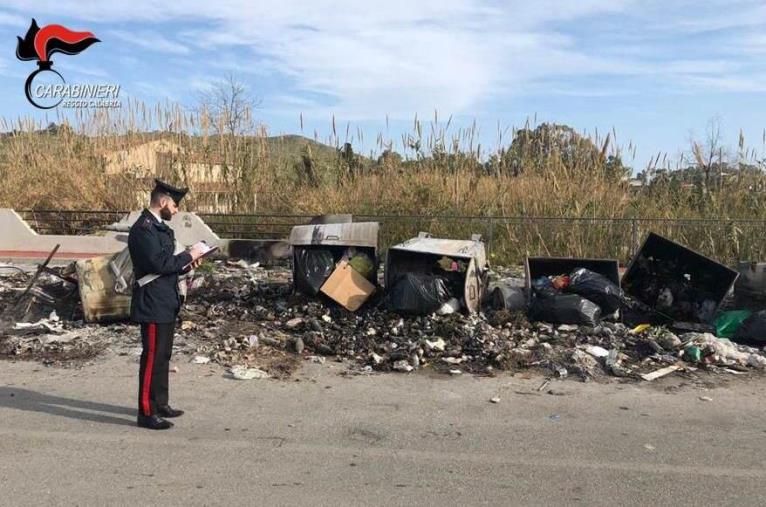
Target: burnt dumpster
{"x": 317, "y": 250}
{"x": 426, "y": 274}
{"x": 674, "y": 283}
{"x": 537, "y": 267}
{"x": 750, "y": 290}
{"x": 572, "y": 290}
{"x": 106, "y": 285}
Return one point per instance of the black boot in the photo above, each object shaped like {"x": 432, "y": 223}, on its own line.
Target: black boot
{"x": 153, "y": 422}
{"x": 166, "y": 411}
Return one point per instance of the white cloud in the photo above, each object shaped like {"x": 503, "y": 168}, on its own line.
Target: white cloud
{"x": 373, "y": 58}
{"x": 13, "y": 20}
{"x": 400, "y": 57}
{"x": 150, "y": 40}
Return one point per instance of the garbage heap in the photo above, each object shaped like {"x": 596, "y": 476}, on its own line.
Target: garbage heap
{"x": 561, "y": 320}
{"x": 244, "y": 319}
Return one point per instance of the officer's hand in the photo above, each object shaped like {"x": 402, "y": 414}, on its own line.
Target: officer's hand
{"x": 196, "y": 253}
{"x": 197, "y": 263}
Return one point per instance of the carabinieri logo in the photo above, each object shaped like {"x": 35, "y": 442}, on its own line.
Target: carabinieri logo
{"x": 39, "y": 44}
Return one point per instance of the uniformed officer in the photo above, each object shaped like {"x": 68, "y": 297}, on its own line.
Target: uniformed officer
{"x": 156, "y": 304}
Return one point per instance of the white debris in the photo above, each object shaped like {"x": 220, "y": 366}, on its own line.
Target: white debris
{"x": 200, "y": 360}
{"x": 245, "y": 373}
{"x": 450, "y": 307}
{"x": 596, "y": 351}
{"x": 439, "y": 345}
{"x": 403, "y": 365}
{"x": 294, "y": 323}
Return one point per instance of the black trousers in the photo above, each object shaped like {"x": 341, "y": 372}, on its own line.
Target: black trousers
{"x": 157, "y": 340}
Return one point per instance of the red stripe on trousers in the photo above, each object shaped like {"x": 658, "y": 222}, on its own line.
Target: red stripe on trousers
{"x": 148, "y": 371}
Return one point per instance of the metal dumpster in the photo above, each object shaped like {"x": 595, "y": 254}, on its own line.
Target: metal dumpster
{"x": 552, "y": 266}
{"x": 677, "y": 283}
{"x": 420, "y": 254}
{"x": 334, "y": 240}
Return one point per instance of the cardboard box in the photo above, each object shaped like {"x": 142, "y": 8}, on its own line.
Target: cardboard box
{"x": 347, "y": 287}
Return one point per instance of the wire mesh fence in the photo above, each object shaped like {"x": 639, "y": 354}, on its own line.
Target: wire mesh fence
{"x": 508, "y": 239}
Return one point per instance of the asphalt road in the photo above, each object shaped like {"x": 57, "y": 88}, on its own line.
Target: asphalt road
{"x": 67, "y": 437}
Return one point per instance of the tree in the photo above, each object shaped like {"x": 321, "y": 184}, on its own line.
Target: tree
{"x": 228, "y": 106}
{"x": 710, "y": 157}
{"x": 556, "y": 148}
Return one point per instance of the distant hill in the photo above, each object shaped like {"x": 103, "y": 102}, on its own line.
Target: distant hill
{"x": 285, "y": 148}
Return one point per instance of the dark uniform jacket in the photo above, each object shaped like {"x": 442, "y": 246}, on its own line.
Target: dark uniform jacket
{"x": 151, "y": 244}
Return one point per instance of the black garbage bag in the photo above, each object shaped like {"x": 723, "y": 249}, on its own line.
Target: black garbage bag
{"x": 597, "y": 288}
{"x": 543, "y": 287}
{"x": 418, "y": 294}
{"x": 753, "y": 330}
{"x": 312, "y": 269}
{"x": 565, "y": 309}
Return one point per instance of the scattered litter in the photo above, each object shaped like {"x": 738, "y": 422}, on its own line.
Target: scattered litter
{"x": 596, "y": 351}
{"x": 245, "y": 373}
{"x": 705, "y": 398}
{"x": 450, "y": 307}
{"x": 495, "y": 399}
{"x": 200, "y": 360}
{"x": 661, "y": 372}
{"x": 403, "y": 365}
{"x": 640, "y": 328}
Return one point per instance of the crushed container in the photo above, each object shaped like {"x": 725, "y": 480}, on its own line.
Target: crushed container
{"x": 422, "y": 255}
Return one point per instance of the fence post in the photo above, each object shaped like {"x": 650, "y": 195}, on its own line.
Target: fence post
{"x": 633, "y": 237}
{"x": 491, "y": 235}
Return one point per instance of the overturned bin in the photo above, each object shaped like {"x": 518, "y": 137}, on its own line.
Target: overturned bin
{"x": 317, "y": 249}
{"x": 676, "y": 283}
{"x": 443, "y": 269}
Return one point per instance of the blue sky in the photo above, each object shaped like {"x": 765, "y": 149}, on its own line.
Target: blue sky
{"x": 655, "y": 71}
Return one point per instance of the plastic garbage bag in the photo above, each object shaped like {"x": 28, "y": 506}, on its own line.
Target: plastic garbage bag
{"x": 513, "y": 299}
{"x": 728, "y": 323}
{"x": 753, "y": 329}
{"x": 543, "y": 287}
{"x": 312, "y": 268}
{"x": 565, "y": 309}
{"x": 418, "y": 294}
{"x": 597, "y": 288}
